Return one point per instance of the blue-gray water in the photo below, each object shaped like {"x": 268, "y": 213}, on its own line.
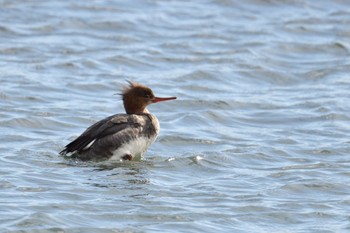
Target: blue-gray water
{"x": 258, "y": 140}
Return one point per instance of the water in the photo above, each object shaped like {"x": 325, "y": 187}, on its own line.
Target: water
{"x": 258, "y": 140}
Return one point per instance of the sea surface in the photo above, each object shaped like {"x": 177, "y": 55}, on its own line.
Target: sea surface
{"x": 257, "y": 141}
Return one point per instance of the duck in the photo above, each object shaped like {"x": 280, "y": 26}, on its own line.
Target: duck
{"x": 120, "y": 137}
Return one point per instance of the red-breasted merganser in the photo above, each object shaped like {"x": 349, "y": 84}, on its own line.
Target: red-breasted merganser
{"x": 121, "y": 136}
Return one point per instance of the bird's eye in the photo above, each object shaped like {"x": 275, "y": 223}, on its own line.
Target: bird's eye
{"x": 147, "y": 95}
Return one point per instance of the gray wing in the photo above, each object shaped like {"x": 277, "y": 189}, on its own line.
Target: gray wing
{"x": 104, "y": 129}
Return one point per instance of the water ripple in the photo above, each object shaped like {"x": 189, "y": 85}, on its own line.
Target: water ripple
{"x": 256, "y": 141}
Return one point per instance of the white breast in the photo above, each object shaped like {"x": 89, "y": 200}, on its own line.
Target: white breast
{"x": 136, "y": 148}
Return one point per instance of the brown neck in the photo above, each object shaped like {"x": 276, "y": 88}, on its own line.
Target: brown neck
{"x": 132, "y": 108}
